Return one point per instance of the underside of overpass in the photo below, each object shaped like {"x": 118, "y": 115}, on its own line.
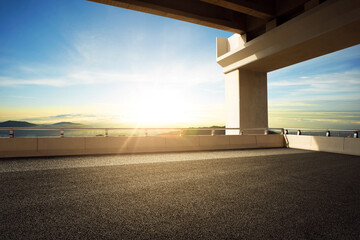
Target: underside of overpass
{"x": 269, "y": 34}
{"x": 252, "y": 18}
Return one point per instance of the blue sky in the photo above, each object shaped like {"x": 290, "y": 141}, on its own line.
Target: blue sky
{"x": 74, "y": 60}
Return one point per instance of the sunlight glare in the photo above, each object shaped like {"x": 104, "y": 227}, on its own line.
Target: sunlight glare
{"x": 160, "y": 107}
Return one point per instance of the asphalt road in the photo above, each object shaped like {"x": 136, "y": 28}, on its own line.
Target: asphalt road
{"x": 294, "y": 195}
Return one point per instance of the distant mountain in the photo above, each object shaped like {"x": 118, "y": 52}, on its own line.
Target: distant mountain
{"x": 65, "y": 125}
{"x": 17, "y": 124}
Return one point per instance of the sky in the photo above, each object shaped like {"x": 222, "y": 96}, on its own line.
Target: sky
{"x": 80, "y": 61}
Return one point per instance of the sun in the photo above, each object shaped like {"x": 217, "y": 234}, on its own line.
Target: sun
{"x": 160, "y": 108}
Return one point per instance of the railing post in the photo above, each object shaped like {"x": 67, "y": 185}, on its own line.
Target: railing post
{"x": 328, "y": 133}
{"x": 299, "y": 132}
{"x": 356, "y": 134}
{"x": 62, "y": 133}
{"x": 106, "y": 132}
{"x": 11, "y": 133}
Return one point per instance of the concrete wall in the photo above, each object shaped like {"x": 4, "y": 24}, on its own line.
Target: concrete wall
{"x": 31, "y": 147}
{"x": 28, "y": 147}
{"x": 326, "y": 144}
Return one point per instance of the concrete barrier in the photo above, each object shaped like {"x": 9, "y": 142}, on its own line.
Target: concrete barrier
{"x": 104, "y": 145}
{"x": 245, "y": 141}
{"x": 185, "y": 143}
{"x": 301, "y": 142}
{"x": 270, "y": 141}
{"x": 326, "y": 144}
{"x": 58, "y": 146}
{"x": 18, "y": 147}
{"x": 146, "y": 144}
{"x": 46, "y": 146}
{"x": 214, "y": 142}
{"x": 352, "y": 146}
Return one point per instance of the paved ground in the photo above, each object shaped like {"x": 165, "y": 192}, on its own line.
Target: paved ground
{"x": 252, "y": 194}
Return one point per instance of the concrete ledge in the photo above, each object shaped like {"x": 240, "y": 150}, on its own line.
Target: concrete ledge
{"x": 108, "y": 145}
{"x": 57, "y": 146}
{"x": 146, "y": 144}
{"x": 270, "y": 141}
{"x": 212, "y": 141}
{"x": 326, "y": 144}
{"x": 301, "y": 142}
{"x": 245, "y": 141}
{"x": 352, "y": 146}
{"x": 31, "y": 147}
{"x": 18, "y": 147}
{"x": 185, "y": 143}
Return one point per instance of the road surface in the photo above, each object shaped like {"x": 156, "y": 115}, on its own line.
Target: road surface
{"x": 248, "y": 194}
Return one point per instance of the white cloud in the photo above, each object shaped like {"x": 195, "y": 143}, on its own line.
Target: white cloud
{"x": 291, "y": 104}
{"x": 54, "y": 82}
{"x": 170, "y": 73}
{"x": 324, "y": 83}
{"x": 313, "y": 120}
{"x": 329, "y": 92}
{"x": 94, "y": 56}
{"x": 22, "y": 97}
{"x": 76, "y": 118}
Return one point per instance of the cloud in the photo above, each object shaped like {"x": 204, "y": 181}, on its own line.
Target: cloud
{"x": 189, "y": 74}
{"x": 292, "y": 104}
{"x": 322, "y": 92}
{"x": 63, "y": 117}
{"x": 22, "y": 97}
{"x": 9, "y": 81}
{"x": 172, "y": 74}
{"x": 315, "y": 120}
{"x": 324, "y": 83}
{"x": 107, "y": 55}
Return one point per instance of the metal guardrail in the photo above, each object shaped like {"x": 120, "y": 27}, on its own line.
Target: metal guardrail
{"x": 181, "y": 131}
{"x": 328, "y": 132}
{"x": 186, "y": 131}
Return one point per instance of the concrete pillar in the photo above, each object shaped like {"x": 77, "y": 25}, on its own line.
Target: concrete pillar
{"x": 323, "y": 28}
{"x": 246, "y": 100}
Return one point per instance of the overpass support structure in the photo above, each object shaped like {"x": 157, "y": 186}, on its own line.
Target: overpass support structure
{"x": 325, "y": 28}
{"x": 246, "y": 100}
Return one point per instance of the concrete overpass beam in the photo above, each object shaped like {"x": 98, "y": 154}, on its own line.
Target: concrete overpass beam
{"x": 325, "y": 28}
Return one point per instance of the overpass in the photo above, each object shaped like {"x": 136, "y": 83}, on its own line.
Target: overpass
{"x": 269, "y": 34}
